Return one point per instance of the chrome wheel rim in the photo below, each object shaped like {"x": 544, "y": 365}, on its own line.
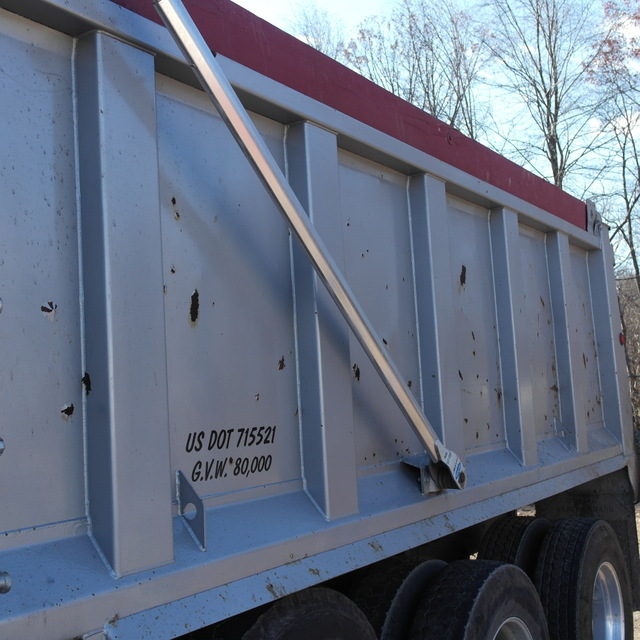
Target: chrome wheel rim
{"x": 607, "y": 617}
{"x": 513, "y": 629}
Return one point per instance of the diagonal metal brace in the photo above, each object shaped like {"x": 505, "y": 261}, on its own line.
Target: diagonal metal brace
{"x": 448, "y": 471}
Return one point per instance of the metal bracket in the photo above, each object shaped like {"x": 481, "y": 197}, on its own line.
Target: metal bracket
{"x": 435, "y": 477}
{"x": 198, "y": 54}
{"x": 594, "y": 220}
{"x": 195, "y": 522}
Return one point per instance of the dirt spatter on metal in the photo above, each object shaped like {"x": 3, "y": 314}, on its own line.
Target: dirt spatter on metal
{"x": 49, "y": 310}
{"x": 275, "y": 591}
{"x": 376, "y": 546}
{"x": 67, "y": 411}
{"x": 86, "y": 383}
{"x": 194, "y": 308}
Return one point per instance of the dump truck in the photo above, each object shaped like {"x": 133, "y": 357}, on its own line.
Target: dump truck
{"x": 282, "y": 355}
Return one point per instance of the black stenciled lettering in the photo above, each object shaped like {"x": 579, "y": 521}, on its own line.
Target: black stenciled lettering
{"x": 220, "y": 439}
{"x": 248, "y": 466}
{"x": 194, "y": 441}
{"x": 220, "y": 467}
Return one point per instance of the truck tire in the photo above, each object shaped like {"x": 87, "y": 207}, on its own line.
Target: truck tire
{"x": 515, "y": 540}
{"x": 400, "y": 613}
{"x": 583, "y": 583}
{"x": 480, "y": 600}
{"x": 374, "y": 590}
{"x": 392, "y": 587}
{"x": 313, "y": 614}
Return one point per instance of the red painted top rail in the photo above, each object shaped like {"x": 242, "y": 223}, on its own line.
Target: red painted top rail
{"x": 240, "y": 35}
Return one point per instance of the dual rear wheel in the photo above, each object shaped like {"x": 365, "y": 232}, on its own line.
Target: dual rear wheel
{"x": 577, "y": 567}
{"x": 532, "y": 581}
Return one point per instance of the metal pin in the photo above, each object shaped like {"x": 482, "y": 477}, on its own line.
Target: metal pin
{"x": 5, "y": 582}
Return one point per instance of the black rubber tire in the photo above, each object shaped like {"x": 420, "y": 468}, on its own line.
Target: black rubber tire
{"x": 401, "y": 611}
{"x": 515, "y": 540}
{"x": 374, "y": 591}
{"x": 475, "y": 599}
{"x": 313, "y": 614}
{"x": 568, "y": 563}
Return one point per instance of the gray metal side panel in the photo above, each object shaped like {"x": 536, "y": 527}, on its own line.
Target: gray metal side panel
{"x": 322, "y": 338}
{"x": 434, "y": 306}
{"x": 558, "y": 256}
{"x": 515, "y": 391}
{"x": 41, "y": 469}
{"x": 129, "y": 477}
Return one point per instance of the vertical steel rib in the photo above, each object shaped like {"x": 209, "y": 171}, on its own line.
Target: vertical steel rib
{"x": 231, "y": 110}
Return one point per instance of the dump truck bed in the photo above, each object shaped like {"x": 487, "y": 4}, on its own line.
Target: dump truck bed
{"x": 190, "y": 429}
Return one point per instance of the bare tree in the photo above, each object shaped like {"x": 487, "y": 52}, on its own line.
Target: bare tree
{"x": 629, "y": 301}
{"x": 378, "y": 53}
{"x": 615, "y": 73}
{"x": 320, "y": 30}
{"x": 430, "y": 53}
{"x": 624, "y": 122}
{"x": 543, "y": 52}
